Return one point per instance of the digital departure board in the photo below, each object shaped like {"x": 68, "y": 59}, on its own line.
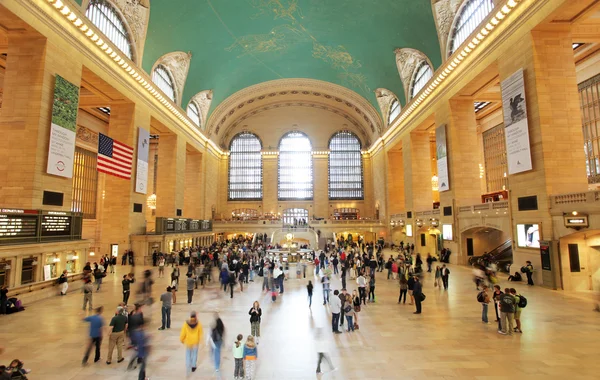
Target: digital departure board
{"x": 19, "y": 226}
{"x": 56, "y": 224}
{"x": 16, "y": 223}
{"x": 178, "y": 225}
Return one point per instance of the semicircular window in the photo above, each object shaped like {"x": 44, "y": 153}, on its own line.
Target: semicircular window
{"x": 469, "y": 18}
{"x": 104, "y": 16}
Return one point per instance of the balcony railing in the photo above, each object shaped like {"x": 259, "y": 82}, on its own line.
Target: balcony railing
{"x": 584, "y": 197}
{"x": 476, "y": 208}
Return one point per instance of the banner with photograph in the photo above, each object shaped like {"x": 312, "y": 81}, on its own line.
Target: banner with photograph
{"x": 516, "y": 129}
{"x": 63, "y": 129}
{"x": 143, "y": 149}
{"x": 441, "y": 155}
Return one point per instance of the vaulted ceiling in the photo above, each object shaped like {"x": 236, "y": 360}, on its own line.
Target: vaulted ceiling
{"x": 240, "y": 43}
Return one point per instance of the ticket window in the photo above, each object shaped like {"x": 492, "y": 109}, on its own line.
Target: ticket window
{"x": 51, "y": 262}
{"x": 71, "y": 263}
{"x": 28, "y": 271}
{"x": 4, "y": 272}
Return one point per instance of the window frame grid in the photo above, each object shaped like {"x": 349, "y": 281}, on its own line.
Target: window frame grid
{"x": 589, "y": 98}
{"x": 423, "y": 74}
{"x": 245, "y": 161}
{"x": 162, "y": 77}
{"x": 289, "y": 157}
{"x": 347, "y": 159}
{"x": 470, "y": 16}
{"x": 289, "y": 214}
{"x": 392, "y": 114}
{"x": 494, "y": 157}
{"x": 195, "y": 113}
{"x": 104, "y": 15}
{"x": 84, "y": 197}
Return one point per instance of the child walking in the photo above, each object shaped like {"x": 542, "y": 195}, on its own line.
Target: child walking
{"x": 250, "y": 356}
{"x": 238, "y": 356}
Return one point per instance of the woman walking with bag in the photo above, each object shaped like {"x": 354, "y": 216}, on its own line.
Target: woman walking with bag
{"x": 255, "y": 315}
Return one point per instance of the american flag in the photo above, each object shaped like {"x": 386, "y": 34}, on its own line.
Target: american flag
{"x": 114, "y": 158}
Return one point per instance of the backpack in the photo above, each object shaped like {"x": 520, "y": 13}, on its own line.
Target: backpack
{"x": 524, "y": 270}
{"x": 522, "y": 302}
{"x": 480, "y": 297}
{"x": 347, "y": 309}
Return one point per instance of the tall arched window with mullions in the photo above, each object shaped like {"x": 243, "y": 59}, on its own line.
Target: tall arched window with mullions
{"x": 245, "y": 168}
{"x": 470, "y": 16}
{"x": 295, "y": 174}
{"x": 106, "y": 18}
{"x": 423, "y": 74}
{"x": 345, "y": 167}
{"x": 164, "y": 80}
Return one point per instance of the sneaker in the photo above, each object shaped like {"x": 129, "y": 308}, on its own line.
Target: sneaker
{"x": 108, "y": 363}
{"x": 501, "y": 332}
{"x": 194, "y": 369}
{"x": 161, "y": 328}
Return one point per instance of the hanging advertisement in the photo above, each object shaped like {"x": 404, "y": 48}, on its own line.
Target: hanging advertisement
{"x": 516, "y": 129}
{"x": 63, "y": 128}
{"x": 143, "y": 148}
{"x": 441, "y": 155}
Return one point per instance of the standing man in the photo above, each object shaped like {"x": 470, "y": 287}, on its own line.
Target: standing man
{"x": 190, "y": 287}
{"x": 167, "y": 300}
{"x": 484, "y": 299}
{"x": 417, "y": 294}
{"x": 127, "y": 281}
{"x": 445, "y": 276}
{"x": 362, "y": 288}
{"x": 88, "y": 291}
{"x": 344, "y": 271}
{"x": 507, "y": 312}
{"x": 496, "y": 296}
{"x": 342, "y": 297}
{"x": 529, "y": 273}
{"x": 96, "y": 323}
{"x": 336, "y": 308}
{"x": 118, "y": 323}
{"x": 64, "y": 283}
{"x": 191, "y": 336}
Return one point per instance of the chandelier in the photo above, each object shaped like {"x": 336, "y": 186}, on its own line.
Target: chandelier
{"x": 434, "y": 183}
{"x": 151, "y": 202}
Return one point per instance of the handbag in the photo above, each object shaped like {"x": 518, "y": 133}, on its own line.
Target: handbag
{"x": 423, "y": 297}
{"x": 357, "y": 308}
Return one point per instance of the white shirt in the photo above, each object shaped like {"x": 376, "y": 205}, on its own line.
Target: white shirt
{"x": 361, "y": 281}
{"x": 336, "y": 304}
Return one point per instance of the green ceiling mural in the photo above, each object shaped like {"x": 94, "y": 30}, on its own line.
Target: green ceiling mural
{"x": 239, "y": 43}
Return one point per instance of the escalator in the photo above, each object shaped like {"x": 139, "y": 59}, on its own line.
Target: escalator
{"x": 502, "y": 256}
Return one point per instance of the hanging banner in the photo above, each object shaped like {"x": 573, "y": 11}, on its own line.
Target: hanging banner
{"x": 143, "y": 148}
{"x": 441, "y": 155}
{"x": 516, "y": 129}
{"x": 63, "y": 129}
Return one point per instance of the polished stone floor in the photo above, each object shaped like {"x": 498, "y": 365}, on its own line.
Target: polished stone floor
{"x": 561, "y": 335}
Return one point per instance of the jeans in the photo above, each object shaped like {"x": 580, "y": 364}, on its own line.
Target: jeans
{"x": 166, "y": 317}
{"x": 418, "y": 302}
{"x": 529, "y": 278}
{"x": 191, "y": 358}
{"x": 281, "y": 284}
{"x": 363, "y": 295}
{"x": 190, "y": 295}
{"x": 350, "y": 323}
{"x": 402, "y": 294}
{"x": 126, "y": 294}
{"x": 445, "y": 282}
{"x": 372, "y": 293}
{"x": 335, "y": 269}
{"x": 217, "y": 355}
{"x": 484, "y": 312}
{"x": 389, "y": 273}
{"x": 93, "y": 341}
{"x": 344, "y": 281}
{"x": 325, "y": 296}
{"x": 335, "y": 320}
{"x": 310, "y": 300}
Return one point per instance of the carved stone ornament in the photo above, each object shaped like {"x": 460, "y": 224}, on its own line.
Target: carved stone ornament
{"x": 385, "y": 98}
{"x": 407, "y": 61}
{"x": 87, "y": 135}
{"x": 444, "y": 12}
{"x": 137, "y": 14}
{"x": 203, "y": 100}
{"x": 178, "y": 63}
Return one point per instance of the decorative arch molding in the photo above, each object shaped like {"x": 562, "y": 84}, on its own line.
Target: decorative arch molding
{"x": 178, "y": 63}
{"x": 385, "y": 98}
{"x": 203, "y": 99}
{"x": 407, "y": 61}
{"x": 444, "y": 13}
{"x": 136, "y": 14}
{"x": 280, "y": 92}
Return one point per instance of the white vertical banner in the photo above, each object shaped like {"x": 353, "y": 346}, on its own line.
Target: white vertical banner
{"x": 143, "y": 149}
{"x": 63, "y": 128}
{"x": 516, "y": 129}
{"x": 441, "y": 155}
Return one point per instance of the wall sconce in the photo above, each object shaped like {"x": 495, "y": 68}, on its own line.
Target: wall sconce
{"x": 434, "y": 183}
{"x": 151, "y": 202}
{"x": 92, "y": 253}
{"x": 419, "y": 223}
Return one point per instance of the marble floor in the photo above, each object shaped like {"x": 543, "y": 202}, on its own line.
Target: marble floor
{"x": 561, "y": 335}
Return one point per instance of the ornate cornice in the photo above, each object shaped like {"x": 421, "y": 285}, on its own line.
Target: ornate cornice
{"x": 407, "y": 61}
{"x": 178, "y": 63}
{"x": 294, "y": 90}
{"x": 385, "y": 98}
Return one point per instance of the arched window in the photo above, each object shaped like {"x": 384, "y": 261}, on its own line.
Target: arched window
{"x": 295, "y": 177}
{"x": 194, "y": 113}
{"x": 394, "y": 111}
{"x": 104, "y": 16}
{"x": 345, "y": 167}
{"x": 163, "y": 79}
{"x": 422, "y": 75}
{"x": 245, "y": 168}
{"x": 472, "y": 13}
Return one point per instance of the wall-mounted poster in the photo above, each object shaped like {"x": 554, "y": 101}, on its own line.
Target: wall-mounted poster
{"x": 441, "y": 154}
{"x": 141, "y": 176}
{"x": 516, "y": 130}
{"x": 63, "y": 128}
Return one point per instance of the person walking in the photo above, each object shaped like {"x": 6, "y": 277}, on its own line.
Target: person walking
{"x": 344, "y": 273}
{"x": 250, "y": 356}
{"x": 309, "y": 290}
{"x": 63, "y": 281}
{"x": 167, "y": 301}
{"x": 372, "y": 288}
{"x": 529, "y": 273}
{"x": 96, "y": 324}
{"x": 216, "y": 341}
{"x": 507, "y": 312}
{"x": 438, "y": 277}
{"x": 321, "y": 347}
{"x": 88, "y": 292}
{"x": 128, "y": 279}
{"x": 118, "y": 324}
{"x": 336, "y": 307}
{"x": 445, "y": 276}
{"x": 484, "y": 299}
{"x": 349, "y": 312}
{"x": 238, "y": 357}
{"x": 342, "y": 297}
{"x": 190, "y": 287}
{"x": 255, "y": 316}
{"x": 361, "y": 281}
{"x": 403, "y": 289}
{"x": 191, "y": 336}
{"x": 161, "y": 267}
{"x": 411, "y": 286}
{"x": 326, "y": 288}
{"x": 417, "y": 294}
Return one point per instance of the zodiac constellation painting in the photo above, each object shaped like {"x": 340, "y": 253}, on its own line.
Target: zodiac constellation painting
{"x": 278, "y": 39}
{"x": 277, "y": 8}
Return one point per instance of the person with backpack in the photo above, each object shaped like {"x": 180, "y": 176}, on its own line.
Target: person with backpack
{"x": 496, "y": 296}
{"x": 529, "y": 273}
{"x": 521, "y": 302}
{"x": 484, "y": 299}
{"x": 507, "y": 312}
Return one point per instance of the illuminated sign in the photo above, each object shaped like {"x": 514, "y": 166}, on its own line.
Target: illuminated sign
{"x": 579, "y": 221}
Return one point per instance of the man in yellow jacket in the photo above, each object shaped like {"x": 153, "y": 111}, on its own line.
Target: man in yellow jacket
{"x": 191, "y": 336}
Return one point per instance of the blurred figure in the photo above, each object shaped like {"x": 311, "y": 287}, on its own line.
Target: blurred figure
{"x": 515, "y": 277}
{"x": 127, "y": 281}
{"x": 88, "y": 291}
{"x": 191, "y": 336}
{"x": 309, "y": 289}
{"x": 445, "y": 276}
{"x": 215, "y": 341}
{"x": 322, "y": 349}
{"x": 64, "y": 283}
{"x": 96, "y": 323}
